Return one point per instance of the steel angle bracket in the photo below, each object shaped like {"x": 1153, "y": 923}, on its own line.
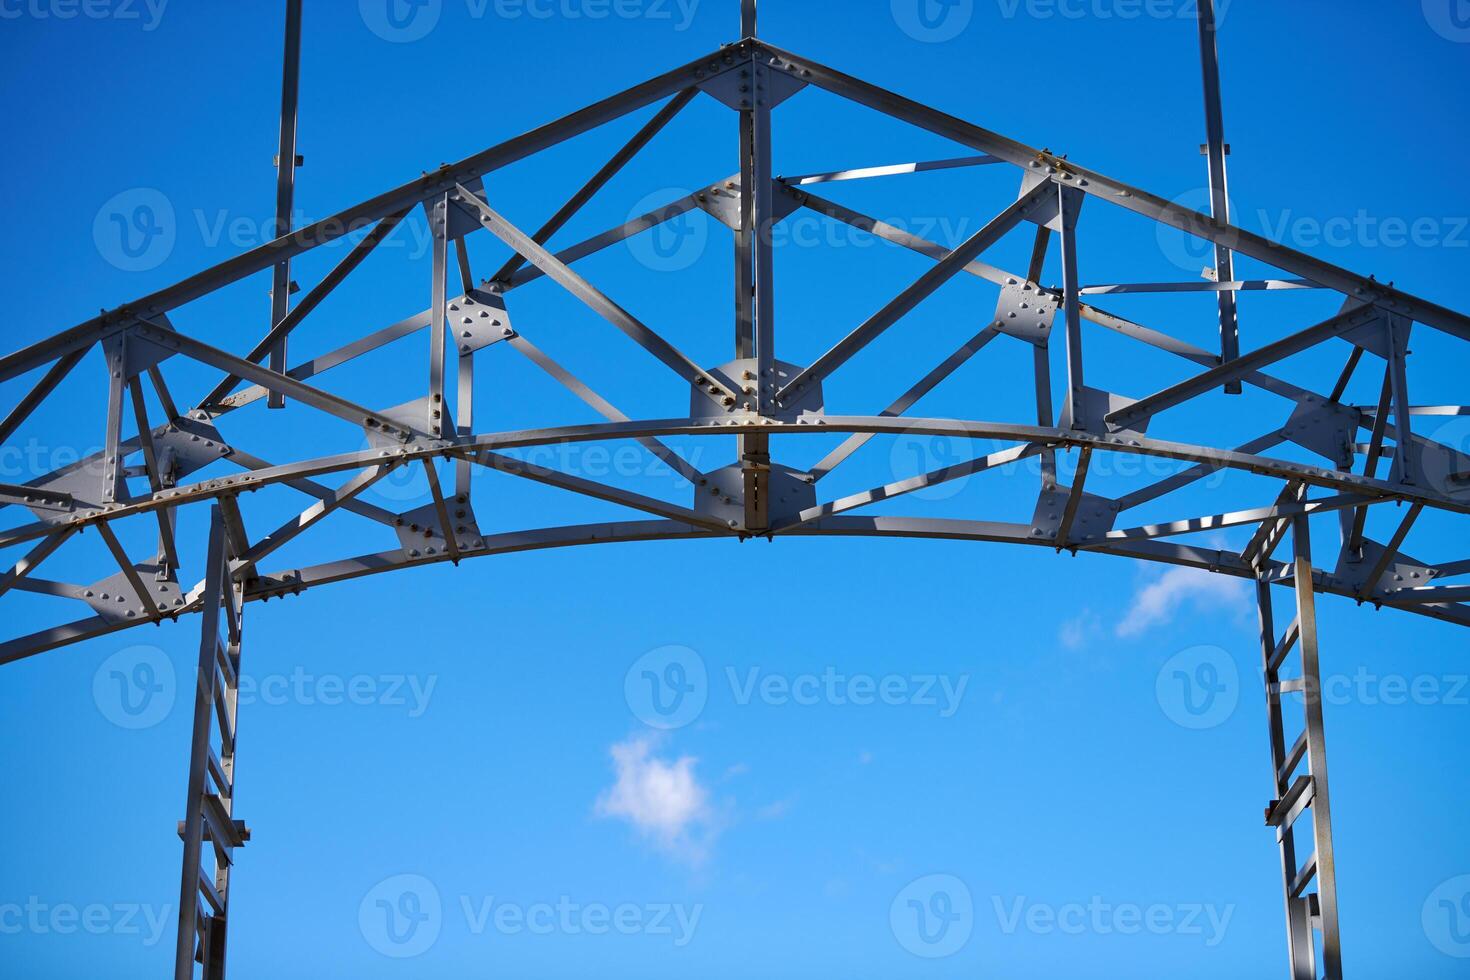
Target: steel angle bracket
{"x": 118, "y": 602}
{"x": 1376, "y": 338}
{"x": 1048, "y": 211}
{"x": 138, "y": 353}
{"x": 720, "y": 495}
{"x": 478, "y": 320}
{"x": 411, "y": 419}
{"x": 1025, "y": 311}
{"x": 730, "y": 82}
{"x": 459, "y": 219}
{"x": 1095, "y": 516}
{"x": 1400, "y": 571}
{"x": 422, "y": 534}
{"x": 1323, "y": 427}
{"x": 722, "y": 201}
{"x": 184, "y": 446}
{"x": 742, "y": 377}
{"x": 1096, "y": 406}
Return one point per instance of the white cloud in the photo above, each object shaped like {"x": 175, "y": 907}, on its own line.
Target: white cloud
{"x": 662, "y": 798}
{"x": 1158, "y": 602}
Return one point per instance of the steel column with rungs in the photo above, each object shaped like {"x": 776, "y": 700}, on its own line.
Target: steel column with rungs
{"x": 204, "y": 895}
{"x": 1299, "y": 770}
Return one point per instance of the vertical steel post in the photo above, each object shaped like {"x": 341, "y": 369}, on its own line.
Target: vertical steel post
{"x": 1041, "y": 362}
{"x": 1219, "y": 188}
{"x": 115, "y": 484}
{"x": 764, "y": 245}
{"x": 755, "y": 245}
{"x": 744, "y": 240}
{"x": 1071, "y": 203}
{"x": 747, "y": 18}
{"x": 1306, "y": 606}
{"x": 209, "y": 808}
{"x": 286, "y": 162}
{"x": 439, "y": 227}
{"x": 1396, "y": 333}
{"x": 1296, "y": 791}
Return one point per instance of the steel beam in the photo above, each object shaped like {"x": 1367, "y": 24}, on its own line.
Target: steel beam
{"x": 1219, "y": 190}
{"x": 286, "y": 163}
{"x": 210, "y": 832}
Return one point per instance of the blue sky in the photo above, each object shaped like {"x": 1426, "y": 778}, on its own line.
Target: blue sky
{"x": 467, "y": 772}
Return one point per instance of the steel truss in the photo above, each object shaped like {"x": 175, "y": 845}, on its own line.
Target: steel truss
{"x": 152, "y": 468}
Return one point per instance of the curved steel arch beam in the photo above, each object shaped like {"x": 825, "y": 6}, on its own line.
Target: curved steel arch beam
{"x": 297, "y": 581}
{"x": 1326, "y": 477}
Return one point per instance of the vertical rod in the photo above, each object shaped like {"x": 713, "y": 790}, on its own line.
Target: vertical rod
{"x": 199, "y": 755}
{"x": 747, "y": 18}
{"x": 1041, "y": 361}
{"x": 285, "y": 185}
{"x": 114, "y": 481}
{"x": 439, "y": 226}
{"x": 1397, "y": 332}
{"x": 764, "y": 197}
{"x": 757, "y": 393}
{"x": 464, "y": 409}
{"x": 1219, "y": 188}
{"x": 1306, "y": 604}
{"x": 1072, "y": 303}
{"x": 744, "y": 242}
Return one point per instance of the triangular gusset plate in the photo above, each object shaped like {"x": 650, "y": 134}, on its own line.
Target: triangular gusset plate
{"x": 734, "y": 88}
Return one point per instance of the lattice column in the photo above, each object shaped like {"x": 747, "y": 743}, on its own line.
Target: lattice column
{"x": 1299, "y": 769}
{"x": 204, "y": 898}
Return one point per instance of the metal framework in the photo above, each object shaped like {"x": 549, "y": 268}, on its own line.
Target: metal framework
{"x": 162, "y": 456}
